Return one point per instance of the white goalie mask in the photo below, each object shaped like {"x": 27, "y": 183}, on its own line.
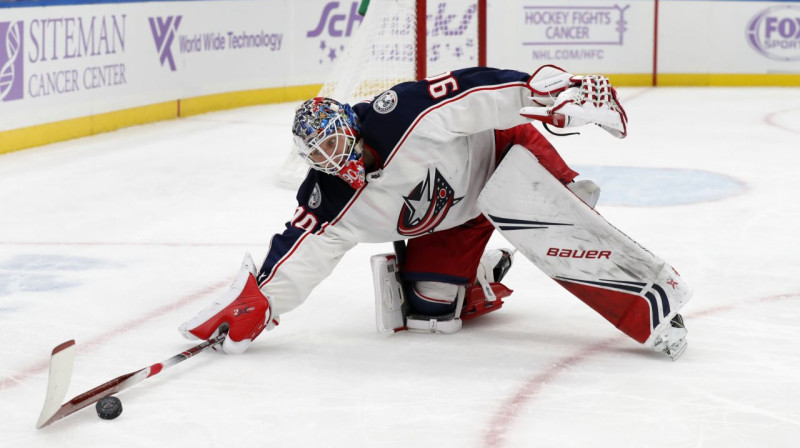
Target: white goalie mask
{"x": 326, "y": 135}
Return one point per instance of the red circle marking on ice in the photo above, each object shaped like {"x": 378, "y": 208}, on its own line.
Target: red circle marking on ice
{"x": 770, "y": 120}
{"x": 504, "y": 418}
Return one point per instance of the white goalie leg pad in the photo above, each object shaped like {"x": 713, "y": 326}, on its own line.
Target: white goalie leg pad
{"x": 631, "y": 287}
{"x": 389, "y": 297}
{"x": 440, "y": 324}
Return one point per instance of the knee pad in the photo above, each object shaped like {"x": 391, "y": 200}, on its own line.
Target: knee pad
{"x": 435, "y": 307}
{"x": 432, "y": 298}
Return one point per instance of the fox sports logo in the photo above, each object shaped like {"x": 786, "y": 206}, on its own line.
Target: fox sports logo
{"x": 775, "y": 33}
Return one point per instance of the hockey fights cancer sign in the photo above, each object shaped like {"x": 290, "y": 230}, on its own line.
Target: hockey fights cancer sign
{"x": 573, "y": 32}
{"x": 64, "y": 61}
{"x": 620, "y": 37}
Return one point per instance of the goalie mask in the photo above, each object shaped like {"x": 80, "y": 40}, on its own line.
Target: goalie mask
{"x": 326, "y": 134}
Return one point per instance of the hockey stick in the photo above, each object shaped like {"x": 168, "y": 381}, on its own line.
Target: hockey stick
{"x": 61, "y": 362}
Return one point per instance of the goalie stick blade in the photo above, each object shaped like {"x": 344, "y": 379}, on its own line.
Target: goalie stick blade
{"x": 61, "y": 372}
{"x": 98, "y": 393}
{"x": 61, "y": 361}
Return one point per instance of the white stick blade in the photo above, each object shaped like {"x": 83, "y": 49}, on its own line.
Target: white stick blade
{"x": 61, "y": 362}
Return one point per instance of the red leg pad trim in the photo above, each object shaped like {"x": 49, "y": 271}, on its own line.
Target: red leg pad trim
{"x": 628, "y": 312}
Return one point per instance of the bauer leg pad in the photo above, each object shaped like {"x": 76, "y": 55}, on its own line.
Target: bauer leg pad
{"x": 632, "y": 288}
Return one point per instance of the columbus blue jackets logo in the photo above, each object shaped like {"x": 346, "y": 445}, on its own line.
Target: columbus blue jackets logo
{"x": 385, "y": 103}
{"x": 316, "y": 197}
{"x": 427, "y": 205}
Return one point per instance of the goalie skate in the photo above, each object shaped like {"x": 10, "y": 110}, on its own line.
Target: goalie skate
{"x": 632, "y": 288}
{"x": 672, "y": 339}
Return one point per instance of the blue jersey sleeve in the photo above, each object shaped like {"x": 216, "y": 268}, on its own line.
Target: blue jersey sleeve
{"x": 320, "y": 198}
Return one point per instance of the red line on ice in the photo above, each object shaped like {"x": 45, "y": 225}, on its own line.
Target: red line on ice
{"x": 19, "y": 377}
{"x": 770, "y": 120}
{"x": 504, "y": 418}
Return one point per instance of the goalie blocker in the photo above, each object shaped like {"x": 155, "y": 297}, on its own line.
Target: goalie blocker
{"x": 628, "y": 285}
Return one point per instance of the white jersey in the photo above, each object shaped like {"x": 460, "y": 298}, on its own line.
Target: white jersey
{"x": 435, "y": 149}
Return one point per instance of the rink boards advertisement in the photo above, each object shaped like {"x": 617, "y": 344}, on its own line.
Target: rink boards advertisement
{"x": 729, "y": 37}
{"x": 61, "y": 62}
{"x": 585, "y": 36}
{"x": 647, "y": 37}
{"x": 82, "y": 61}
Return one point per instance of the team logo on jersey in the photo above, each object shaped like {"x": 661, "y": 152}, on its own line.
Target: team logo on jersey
{"x": 385, "y": 103}
{"x": 427, "y": 205}
{"x": 316, "y": 197}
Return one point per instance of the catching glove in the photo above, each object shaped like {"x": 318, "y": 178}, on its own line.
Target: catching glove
{"x": 565, "y": 100}
{"x": 243, "y": 312}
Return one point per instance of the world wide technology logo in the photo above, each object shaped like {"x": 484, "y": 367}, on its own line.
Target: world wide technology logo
{"x": 11, "y": 58}
{"x": 164, "y": 29}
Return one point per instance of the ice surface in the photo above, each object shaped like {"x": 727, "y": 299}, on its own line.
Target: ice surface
{"x": 116, "y": 239}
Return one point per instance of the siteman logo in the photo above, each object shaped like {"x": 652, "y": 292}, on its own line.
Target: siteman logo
{"x": 164, "y": 33}
{"x": 11, "y": 55}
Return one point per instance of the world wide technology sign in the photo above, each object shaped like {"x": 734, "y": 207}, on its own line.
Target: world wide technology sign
{"x": 64, "y": 62}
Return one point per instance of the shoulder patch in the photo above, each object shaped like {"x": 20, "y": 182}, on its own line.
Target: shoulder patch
{"x": 316, "y": 197}
{"x": 385, "y": 103}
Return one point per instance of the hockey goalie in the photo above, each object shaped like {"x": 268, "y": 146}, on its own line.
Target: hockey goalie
{"x": 442, "y": 163}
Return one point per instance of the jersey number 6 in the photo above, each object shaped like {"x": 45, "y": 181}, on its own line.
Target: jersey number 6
{"x": 441, "y": 85}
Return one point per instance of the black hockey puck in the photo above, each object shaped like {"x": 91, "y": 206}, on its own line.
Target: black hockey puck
{"x": 109, "y": 408}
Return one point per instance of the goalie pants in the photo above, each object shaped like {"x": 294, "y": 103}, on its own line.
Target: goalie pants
{"x": 450, "y": 256}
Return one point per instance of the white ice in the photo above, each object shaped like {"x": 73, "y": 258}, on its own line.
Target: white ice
{"x": 116, "y": 239}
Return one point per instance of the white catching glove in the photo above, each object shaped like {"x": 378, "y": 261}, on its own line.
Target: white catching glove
{"x": 566, "y": 100}
{"x": 243, "y": 312}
